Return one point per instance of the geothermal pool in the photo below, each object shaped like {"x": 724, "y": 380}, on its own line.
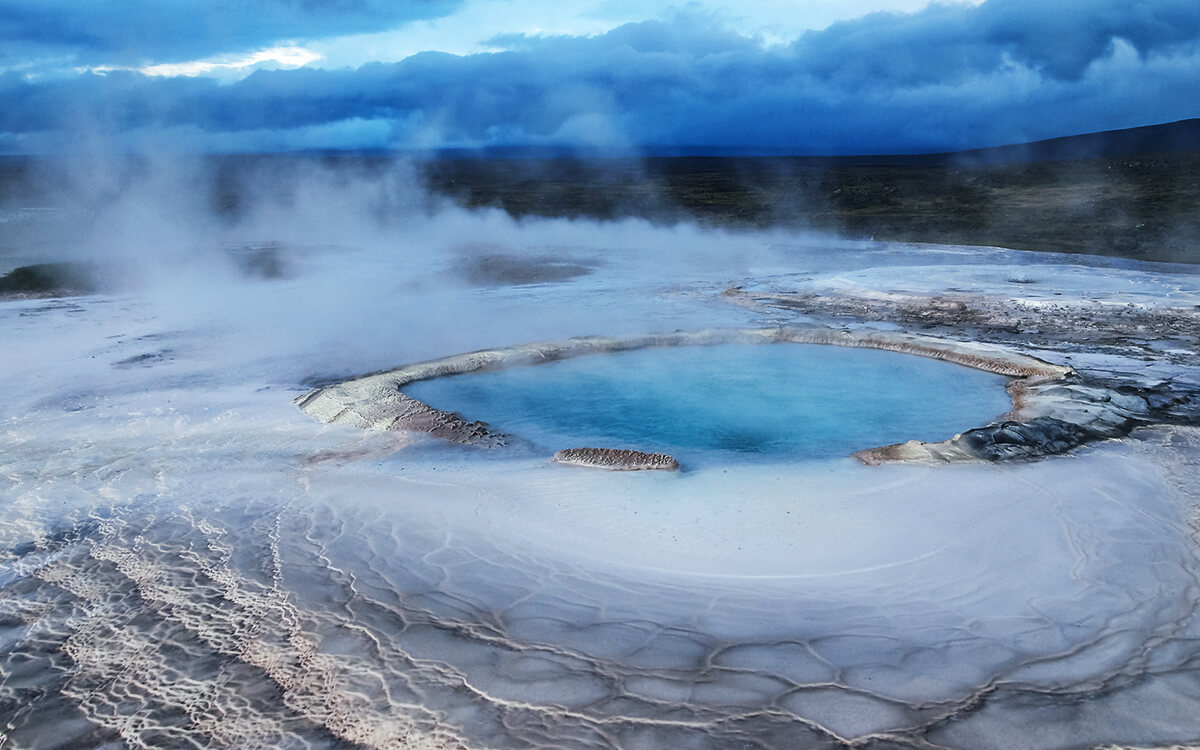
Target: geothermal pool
{"x": 187, "y": 559}
{"x": 724, "y": 402}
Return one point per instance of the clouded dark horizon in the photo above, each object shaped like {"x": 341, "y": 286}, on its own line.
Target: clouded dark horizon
{"x": 200, "y": 76}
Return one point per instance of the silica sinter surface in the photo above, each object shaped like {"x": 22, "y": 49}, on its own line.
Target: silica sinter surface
{"x": 771, "y": 401}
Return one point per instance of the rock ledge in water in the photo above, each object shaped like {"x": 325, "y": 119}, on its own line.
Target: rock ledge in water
{"x": 616, "y": 459}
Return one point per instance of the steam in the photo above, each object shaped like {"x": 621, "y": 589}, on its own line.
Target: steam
{"x": 345, "y": 265}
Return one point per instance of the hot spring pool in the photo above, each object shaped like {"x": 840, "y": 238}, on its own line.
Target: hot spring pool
{"x": 704, "y": 403}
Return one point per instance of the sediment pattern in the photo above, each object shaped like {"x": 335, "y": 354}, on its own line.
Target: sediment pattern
{"x": 168, "y": 644}
{"x": 1052, "y": 411}
{"x": 318, "y": 624}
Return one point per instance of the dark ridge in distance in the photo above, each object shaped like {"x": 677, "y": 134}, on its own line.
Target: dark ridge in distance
{"x": 48, "y": 280}
{"x": 1182, "y": 135}
{"x": 1141, "y": 206}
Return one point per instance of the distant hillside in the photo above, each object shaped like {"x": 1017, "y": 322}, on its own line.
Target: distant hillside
{"x": 1131, "y": 193}
{"x": 1183, "y": 135}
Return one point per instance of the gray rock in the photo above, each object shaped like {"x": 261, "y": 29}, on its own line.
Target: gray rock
{"x": 616, "y": 459}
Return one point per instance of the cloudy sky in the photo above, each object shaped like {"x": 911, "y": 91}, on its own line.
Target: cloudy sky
{"x": 802, "y": 76}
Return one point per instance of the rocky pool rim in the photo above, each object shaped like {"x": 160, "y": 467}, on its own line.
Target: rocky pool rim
{"x": 1052, "y": 411}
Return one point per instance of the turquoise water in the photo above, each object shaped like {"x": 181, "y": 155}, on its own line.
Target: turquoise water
{"x": 785, "y": 400}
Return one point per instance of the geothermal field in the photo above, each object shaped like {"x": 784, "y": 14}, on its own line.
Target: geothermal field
{"x": 245, "y": 500}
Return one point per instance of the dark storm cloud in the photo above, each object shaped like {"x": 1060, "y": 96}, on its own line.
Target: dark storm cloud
{"x": 945, "y": 78}
{"x": 117, "y": 32}
{"x": 1059, "y": 38}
